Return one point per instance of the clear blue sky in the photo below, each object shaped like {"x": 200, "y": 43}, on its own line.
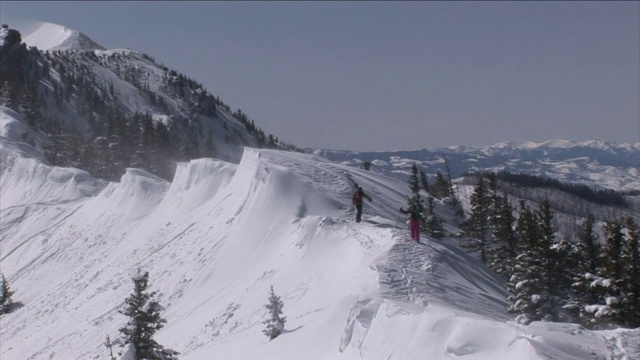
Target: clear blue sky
{"x": 390, "y": 75}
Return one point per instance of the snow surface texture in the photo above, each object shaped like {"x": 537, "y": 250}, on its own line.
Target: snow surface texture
{"x": 219, "y": 235}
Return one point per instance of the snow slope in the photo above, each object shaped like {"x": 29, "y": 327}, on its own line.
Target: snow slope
{"x": 48, "y": 36}
{"x": 219, "y": 235}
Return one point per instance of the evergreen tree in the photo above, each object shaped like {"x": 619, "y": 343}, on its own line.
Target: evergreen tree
{"x": 144, "y": 321}
{"x": 504, "y": 237}
{"x": 527, "y": 228}
{"x": 275, "y": 323}
{"x": 612, "y": 257}
{"x": 564, "y": 270}
{"x": 477, "y": 225}
{"x": 441, "y": 186}
{"x": 433, "y": 223}
{"x": 414, "y": 181}
{"x": 589, "y": 245}
{"x": 424, "y": 182}
{"x": 6, "y": 303}
{"x": 631, "y": 275}
{"x": 414, "y": 186}
{"x": 450, "y": 190}
{"x": 546, "y": 241}
{"x": 609, "y": 285}
{"x": 587, "y": 258}
{"x": 5, "y": 95}
{"x": 527, "y": 283}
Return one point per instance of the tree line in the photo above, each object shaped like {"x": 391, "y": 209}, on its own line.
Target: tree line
{"x": 592, "y": 281}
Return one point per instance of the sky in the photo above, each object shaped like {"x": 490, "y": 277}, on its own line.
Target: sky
{"x": 380, "y": 76}
{"x": 220, "y": 234}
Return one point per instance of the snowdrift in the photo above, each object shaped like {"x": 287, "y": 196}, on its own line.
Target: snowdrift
{"x": 214, "y": 241}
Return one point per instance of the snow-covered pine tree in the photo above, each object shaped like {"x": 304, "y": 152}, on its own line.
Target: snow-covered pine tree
{"x": 587, "y": 266}
{"x": 608, "y": 301}
{"x": 144, "y": 321}
{"x": 589, "y": 245}
{"x": 275, "y": 322}
{"x": 527, "y": 284}
{"x": 631, "y": 257}
{"x": 612, "y": 256}
{"x": 6, "y": 303}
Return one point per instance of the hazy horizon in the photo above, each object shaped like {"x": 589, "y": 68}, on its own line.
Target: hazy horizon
{"x": 376, "y": 76}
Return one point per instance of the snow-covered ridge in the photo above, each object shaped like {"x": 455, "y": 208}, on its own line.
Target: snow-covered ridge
{"x": 50, "y": 36}
{"x": 216, "y": 238}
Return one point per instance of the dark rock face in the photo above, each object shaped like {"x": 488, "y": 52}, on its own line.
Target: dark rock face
{"x": 9, "y": 38}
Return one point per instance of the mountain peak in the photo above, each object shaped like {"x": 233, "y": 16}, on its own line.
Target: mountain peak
{"x": 49, "y": 36}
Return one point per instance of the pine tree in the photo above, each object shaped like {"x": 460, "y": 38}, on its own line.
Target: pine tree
{"x": 414, "y": 181}
{"x": 589, "y": 245}
{"x": 441, "y": 186}
{"x": 414, "y": 186}
{"x": 450, "y": 190}
{"x": 477, "y": 225}
{"x": 424, "y": 182}
{"x": 504, "y": 237}
{"x": 5, "y": 94}
{"x": 6, "y": 303}
{"x": 527, "y": 283}
{"x": 587, "y": 258}
{"x": 433, "y": 223}
{"x": 631, "y": 275}
{"x": 612, "y": 259}
{"x": 275, "y": 323}
{"x": 144, "y": 321}
{"x": 546, "y": 241}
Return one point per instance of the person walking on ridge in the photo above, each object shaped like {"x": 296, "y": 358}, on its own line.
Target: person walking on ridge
{"x": 414, "y": 221}
{"x": 357, "y": 201}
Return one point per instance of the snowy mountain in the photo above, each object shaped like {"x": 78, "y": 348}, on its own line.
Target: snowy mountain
{"x": 48, "y": 36}
{"x": 594, "y": 163}
{"x": 113, "y": 103}
{"x": 219, "y": 235}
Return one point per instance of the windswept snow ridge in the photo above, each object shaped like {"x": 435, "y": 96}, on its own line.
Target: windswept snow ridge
{"x": 214, "y": 241}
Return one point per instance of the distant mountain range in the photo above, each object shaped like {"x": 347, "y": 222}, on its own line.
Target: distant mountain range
{"x": 598, "y": 164}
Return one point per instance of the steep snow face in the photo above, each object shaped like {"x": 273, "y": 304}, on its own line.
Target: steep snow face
{"x": 50, "y": 36}
{"x": 214, "y": 241}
